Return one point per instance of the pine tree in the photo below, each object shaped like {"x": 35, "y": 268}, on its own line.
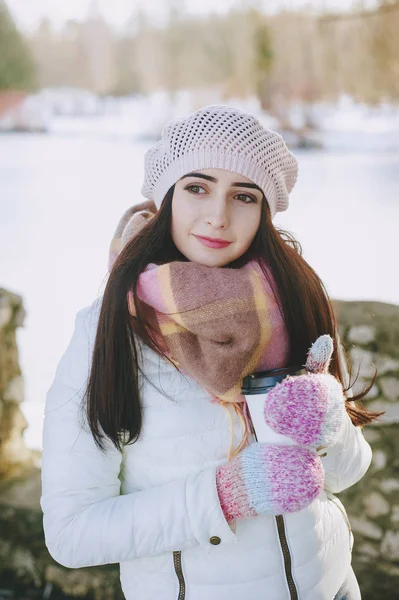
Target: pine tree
{"x": 17, "y": 68}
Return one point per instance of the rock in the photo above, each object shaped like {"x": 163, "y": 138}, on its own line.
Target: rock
{"x": 361, "y": 334}
{"x": 391, "y": 410}
{"x": 393, "y": 572}
{"x": 390, "y": 546}
{"x": 21, "y": 492}
{"x": 389, "y": 485}
{"x": 395, "y": 514}
{"x": 19, "y": 315}
{"x": 12, "y": 311}
{"x": 14, "y": 392}
{"x": 5, "y": 315}
{"x": 24, "y": 555}
{"x": 368, "y": 550}
{"x": 366, "y": 528}
{"x": 15, "y": 456}
{"x": 379, "y": 460}
{"x": 375, "y": 505}
{"x": 390, "y": 387}
{"x": 81, "y": 583}
{"x": 372, "y": 393}
{"x": 384, "y": 317}
{"x": 386, "y": 364}
{"x": 371, "y": 435}
{"x": 20, "y": 561}
{"x": 362, "y": 360}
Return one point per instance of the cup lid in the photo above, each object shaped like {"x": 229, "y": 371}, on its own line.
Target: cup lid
{"x": 261, "y": 382}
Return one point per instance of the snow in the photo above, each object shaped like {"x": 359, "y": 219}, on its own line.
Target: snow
{"x": 345, "y": 125}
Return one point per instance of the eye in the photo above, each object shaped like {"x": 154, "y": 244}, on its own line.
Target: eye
{"x": 246, "y": 198}
{"x": 192, "y": 188}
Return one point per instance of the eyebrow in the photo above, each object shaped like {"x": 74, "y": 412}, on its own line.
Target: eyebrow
{"x": 214, "y": 180}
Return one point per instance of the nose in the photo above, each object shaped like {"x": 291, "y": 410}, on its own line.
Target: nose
{"x": 217, "y": 216}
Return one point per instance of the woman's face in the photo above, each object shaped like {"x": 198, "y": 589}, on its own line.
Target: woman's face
{"x": 218, "y": 205}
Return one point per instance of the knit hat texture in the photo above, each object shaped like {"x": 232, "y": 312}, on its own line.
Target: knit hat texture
{"x": 221, "y": 137}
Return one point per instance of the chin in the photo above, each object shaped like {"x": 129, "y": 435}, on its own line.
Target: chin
{"x": 212, "y": 261}
{"x": 209, "y": 259}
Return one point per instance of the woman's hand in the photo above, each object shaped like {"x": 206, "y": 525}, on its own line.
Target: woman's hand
{"x": 265, "y": 479}
{"x": 309, "y": 408}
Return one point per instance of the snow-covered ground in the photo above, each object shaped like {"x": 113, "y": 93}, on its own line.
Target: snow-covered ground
{"x": 348, "y": 125}
{"x": 344, "y": 125}
{"x": 141, "y": 117}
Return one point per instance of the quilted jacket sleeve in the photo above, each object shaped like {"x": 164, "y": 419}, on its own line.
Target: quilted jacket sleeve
{"x": 349, "y": 456}
{"x": 347, "y": 459}
{"x": 86, "y": 520}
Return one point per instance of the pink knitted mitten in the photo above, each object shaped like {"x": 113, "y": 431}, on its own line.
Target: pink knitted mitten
{"x": 269, "y": 480}
{"x": 309, "y": 408}
{"x": 131, "y": 222}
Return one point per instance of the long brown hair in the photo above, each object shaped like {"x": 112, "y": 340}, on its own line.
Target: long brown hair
{"x": 113, "y": 400}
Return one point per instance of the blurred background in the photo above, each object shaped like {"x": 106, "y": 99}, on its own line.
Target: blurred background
{"x": 86, "y": 87}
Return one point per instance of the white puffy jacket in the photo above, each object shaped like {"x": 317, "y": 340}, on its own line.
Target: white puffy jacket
{"x": 154, "y": 507}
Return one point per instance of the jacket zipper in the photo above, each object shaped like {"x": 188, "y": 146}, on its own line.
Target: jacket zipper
{"x": 286, "y": 552}
{"x": 180, "y": 576}
{"x": 287, "y": 557}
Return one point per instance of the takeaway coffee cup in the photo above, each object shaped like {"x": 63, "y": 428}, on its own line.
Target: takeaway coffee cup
{"x": 255, "y": 389}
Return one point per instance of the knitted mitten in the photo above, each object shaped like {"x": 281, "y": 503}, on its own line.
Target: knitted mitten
{"x": 308, "y": 408}
{"x": 130, "y": 223}
{"x": 269, "y": 480}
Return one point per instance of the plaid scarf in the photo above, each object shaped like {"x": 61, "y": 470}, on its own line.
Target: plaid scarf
{"x": 216, "y": 325}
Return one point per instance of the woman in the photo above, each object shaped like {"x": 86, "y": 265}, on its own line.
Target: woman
{"x": 149, "y": 457}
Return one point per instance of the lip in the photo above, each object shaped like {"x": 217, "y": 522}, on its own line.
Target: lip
{"x": 213, "y": 242}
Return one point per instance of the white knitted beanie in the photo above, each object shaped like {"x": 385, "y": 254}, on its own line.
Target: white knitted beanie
{"x": 221, "y": 137}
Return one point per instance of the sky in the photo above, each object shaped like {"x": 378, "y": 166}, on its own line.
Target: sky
{"x": 29, "y": 12}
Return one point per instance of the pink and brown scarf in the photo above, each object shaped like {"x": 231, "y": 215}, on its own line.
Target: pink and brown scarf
{"x": 216, "y": 325}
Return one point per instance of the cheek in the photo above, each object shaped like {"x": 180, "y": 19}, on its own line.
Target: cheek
{"x": 183, "y": 214}
{"x": 248, "y": 228}
{"x": 175, "y": 229}
{"x": 180, "y": 222}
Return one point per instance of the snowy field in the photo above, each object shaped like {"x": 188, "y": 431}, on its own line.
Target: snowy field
{"x": 342, "y": 126}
